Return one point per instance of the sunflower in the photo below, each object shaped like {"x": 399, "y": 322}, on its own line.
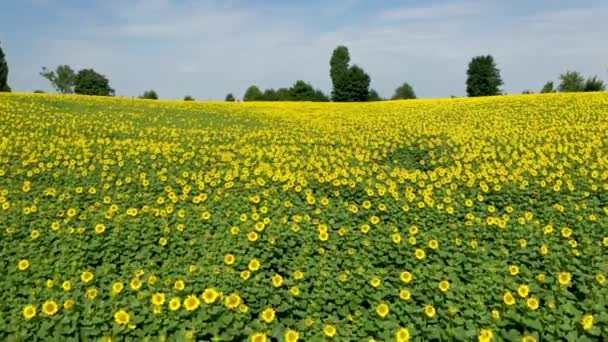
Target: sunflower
{"x": 23, "y": 265}
{"x": 375, "y": 282}
{"x": 158, "y": 299}
{"x": 254, "y": 265}
{"x": 229, "y": 259}
{"x": 117, "y": 287}
{"x": 291, "y": 335}
{"x": 523, "y": 290}
{"x": 405, "y": 294}
{"x": 564, "y": 278}
{"x": 86, "y": 276}
{"x": 532, "y": 303}
{"x": 192, "y": 303}
{"x": 514, "y": 270}
{"x": 600, "y": 278}
{"x": 68, "y": 304}
{"x": 210, "y": 295}
{"x": 485, "y": 335}
{"x": 179, "y": 285}
{"x": 528, "y": 338}
{"x": 420, "y": 254}
{"x": 259, "y": 337}
{"x": 406, "y": 276}
{"x": 433, "y": 244}
{"x": 29, "y": 312}
{"x": 444, "y": 285}
{"x": 277, "y": 280}
{"x": 100, "y": 228}
{"x": 329, "y": 330}
{"x": 121, "y": 317}
{"x": 267, "y": 315}
{"x": 66, "y": 285}
{"x": 245, "y": 274}
{"x": 508, "y": 298}
{"x": 232, "y": 301}
{"x": 402, "y": 335}
{"x": 295, "y": 291}
{"x": 587, "y": 321}
{"x": 92, "y": 293}
{"x": 382, "y": 310}
{"x": 374, "y": 220}
{"x": 495, "y": 314}
{"x": 297, "y": 275}
{"x": 135, "y": 283}
{"x": 175, "y": 303}
{"x": 252, "y": 236}
{"x": 430, "y": 311}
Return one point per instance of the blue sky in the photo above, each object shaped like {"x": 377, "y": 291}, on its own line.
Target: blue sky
{"x": 208, "y": 48}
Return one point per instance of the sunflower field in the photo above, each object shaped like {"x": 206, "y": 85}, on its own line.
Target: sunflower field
{"x": 479, "y": 219}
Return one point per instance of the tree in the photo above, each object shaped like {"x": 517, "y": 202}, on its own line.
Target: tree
{"x": 3, "y": 73}
{"x": 270, "y": 95}
{"x": 483, "y": 77}
{"x": 594, "y": 84}
{"x": 302, "y": 91}
{"x": 571, "y": 81}
{"x": 253, "y": 93}
{"x": 320, "y": 96}
{"x": 527, "y": 92}
{"x": 357, "y": 85}
{"x": 188, "y": 98}
{"x": 149, "y": 95}
{"x": 548, "y": 88}
{"x": 62, "y": 79}
{"x": 89, "y": 82}
{"x": 374, "y": 96}
{"x": 404, "y": 92}
{"x": 38, "y": 91}
{"x": 338, "y": 72}
{"x": 230, "y": 98}
{"x": 283, "y": 94}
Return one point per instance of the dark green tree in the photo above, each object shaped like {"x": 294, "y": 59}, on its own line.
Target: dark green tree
{"x": 38, "y": 91}
{"x": 357, "y": 85}
{"x": 3, "y": 73}
{"x": 63, "y": 78}
{"x": 149, "y": 95}
{"x": 483, "y": 77}
{"x": 253, "y": 93}
{"x": 302, "y": 91}
{"x": 404, "y": 92}
{"x": 89, "y": 82}
{"x": 270, "y": 95}
{"x": 230, "y": 98}
{"x": 571, "y": 81}
{"x": 320, "y": 96}
{"x": 283, "y": 94}
{"x": 338, "y": 72}
{"x": 548, "y": 88}
{"x": 527, "y": 92}
{"x": 594, "y": 84}
{"x": 188, "y": 98}
{"x": 374, "y": 96}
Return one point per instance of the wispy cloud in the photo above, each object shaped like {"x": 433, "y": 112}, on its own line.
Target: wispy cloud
{"x": 438, "y": 11}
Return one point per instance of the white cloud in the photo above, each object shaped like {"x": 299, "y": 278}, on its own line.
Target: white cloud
{"x": 439, "y": 11}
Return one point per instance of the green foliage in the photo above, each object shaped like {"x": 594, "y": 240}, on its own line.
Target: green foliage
{"x": 527, "y": 92}
{"x": 283, "y": 94}
{"x": 253, "y": 93}
{"x": 230, "y": 98}
{"x": 374, "y": 96}
{"x": 302, "y": 91}
{"x": 63, "y": 78}
{"x": 548, "y": 88}
{"x": 594, "y": 84}
{"x": 483, "y": 77}
{"x": 149, "y": 95}
{"x": 338, "y": 71}
{"x": 357, "y": 85}
{"x": 3, "y": 73}
{"x": 38, "y": 91}
{"x": 89, "y": 82}
{"x": 270, "y": 95}
{"x": 188, "y": 98}
{"x": 571, "y": 81}
{"x": 350, "y": 84}
{"x": 404, "y": 92}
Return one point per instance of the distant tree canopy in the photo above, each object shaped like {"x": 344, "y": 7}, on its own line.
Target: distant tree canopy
{"x": 350, "y": 83}
{"x": 188, "y": 98}
{"x": 483, "y": 77}
{"x": 253, "y": 93}
{"x": 571, "y": 81}
{"x": 548, "y": 88}
{"x": 594, "y": 84}
{"x": 230, "y": 98}
{"x": 3, "y": 73}
{"x": 404, "y": 92}
{"x": 38, "y": 91}
{"x": 374, "y": 96}
{"x": 527, "y": 92}
{"x": 89, "y": 82}
{"x": 300, "y": 91}
{"x": 149, "y": 95}
{"x": 63, "y": 78}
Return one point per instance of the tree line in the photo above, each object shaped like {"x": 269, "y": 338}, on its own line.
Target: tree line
{"x": 350, "y": 83}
